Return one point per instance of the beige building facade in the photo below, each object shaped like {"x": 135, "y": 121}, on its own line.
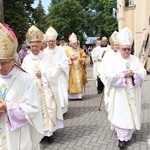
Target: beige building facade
{"x": 135, "y": 15}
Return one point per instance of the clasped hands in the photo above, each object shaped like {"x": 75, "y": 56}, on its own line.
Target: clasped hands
{"x": 38, "y": 74}
{"x": 73, "y": 57}
{"x": 128, "y": 73}
{"x": 2, "y": 107}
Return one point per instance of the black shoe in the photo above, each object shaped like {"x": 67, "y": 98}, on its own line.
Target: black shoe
{"x": 122, "y": 144}
{"x": 43, "y": 139}
{"x": 50, "y": 139}
{"x": 99, "y": 92}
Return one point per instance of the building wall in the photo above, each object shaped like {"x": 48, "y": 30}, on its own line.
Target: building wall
{"x": 120, "y": 14}
{"x": 129, "y": 21}
{"x": 136, "y": 17}
{"x": 140, "y": 24}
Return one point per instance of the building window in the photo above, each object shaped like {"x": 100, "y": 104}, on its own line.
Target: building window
{"x": 129, "y": 3}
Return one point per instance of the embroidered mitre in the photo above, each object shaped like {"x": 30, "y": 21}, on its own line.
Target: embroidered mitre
{"x": 113, "y": 38}
{"x": 125, "y": 37}
{"x": 8, "y": 42}
{"x": 34, "y": 34}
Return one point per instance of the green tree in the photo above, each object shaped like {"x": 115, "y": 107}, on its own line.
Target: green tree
{"x": 110, "y": 23}
{"x": 99, "y": 20}
{"x": 66, "y": 16}
{"x": 94, "y": 17}
{"x": 18, "y": 15}
{"x": 39, "y": 17}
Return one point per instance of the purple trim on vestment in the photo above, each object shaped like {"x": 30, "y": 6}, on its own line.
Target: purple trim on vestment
{"x": 137, "y": 79}
{"x": 119, "y": 80}
{"x": 16, "y": 116}
{"x": 123, "y": 134}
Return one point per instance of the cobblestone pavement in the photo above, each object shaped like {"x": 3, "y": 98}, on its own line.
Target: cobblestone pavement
{"x": 87, "y": 128}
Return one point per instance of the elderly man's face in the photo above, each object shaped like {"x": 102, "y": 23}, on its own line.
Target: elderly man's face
{"x": 6, "y": 66}
{"x": 125, "y": 51}
{"x": 74, "y": 45}
{"x": 52, "y": 43}
{"x": 35, "y": 47}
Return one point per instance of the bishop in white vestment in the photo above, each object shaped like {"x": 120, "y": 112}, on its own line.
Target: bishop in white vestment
{"x": 123, "y": 76}
{"x": 58, "y": 66}
{"x": 36, "y": 64}
{"x": 20, "y": 116}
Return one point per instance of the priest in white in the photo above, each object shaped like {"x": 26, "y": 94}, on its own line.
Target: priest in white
{"x": 20, "y": 116}
{"x": 99, "y": 54}
{"x": 123, "y": 76}
{"x": 98, "y": 43}
{"x": 111, "y": 53}
{"x": 36, "y": 64}
{"x": 59, "y": 65}
{"x": 62, "y": 43}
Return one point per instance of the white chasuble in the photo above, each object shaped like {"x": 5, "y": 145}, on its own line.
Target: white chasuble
{"x": 123, "y": 103}
{"x": 19, "y": 88}
{"x": 58, "y": 69}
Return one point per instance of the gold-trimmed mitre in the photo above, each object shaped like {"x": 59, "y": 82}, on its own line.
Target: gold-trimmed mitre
{"x": 8, "y": 42}
{"x": 125, "y": 37}
{"x": 34, "y": 34}
{"x": 113, "y": 38}
{"x": 73, "y": 38}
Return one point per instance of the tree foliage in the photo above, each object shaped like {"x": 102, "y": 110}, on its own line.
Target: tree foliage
{"x": 94, "y": 17}
{"x": 99, "y": 17}
{"x": 18, "y": 15}
{"x": 66, "y": 17}
{"x": 39, "y": 17}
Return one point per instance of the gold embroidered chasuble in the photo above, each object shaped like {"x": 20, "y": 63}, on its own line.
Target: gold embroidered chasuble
{"x": 48, "y": 96}
{"x": 77, "y": 71}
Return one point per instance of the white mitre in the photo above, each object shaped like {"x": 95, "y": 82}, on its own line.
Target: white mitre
{"x": 125, "y": 37}
{"x": 50, "y": 34}
{"x": 73, "y": 38}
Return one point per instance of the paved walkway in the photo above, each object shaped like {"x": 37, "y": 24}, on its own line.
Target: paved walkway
{"x": 87, "y": 128}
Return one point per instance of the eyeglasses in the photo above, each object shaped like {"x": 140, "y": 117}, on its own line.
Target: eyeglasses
{"x": 125, "y": 49}
{"x": 3, "y": 64}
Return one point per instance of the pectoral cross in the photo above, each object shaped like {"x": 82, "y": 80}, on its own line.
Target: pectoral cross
{"x": 3, "y": 91}
{"x": 36, "y": 65}
{"x": 127, "y": 66}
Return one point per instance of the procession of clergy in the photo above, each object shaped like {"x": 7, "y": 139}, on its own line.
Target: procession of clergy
{"x": 34, "y": 96}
